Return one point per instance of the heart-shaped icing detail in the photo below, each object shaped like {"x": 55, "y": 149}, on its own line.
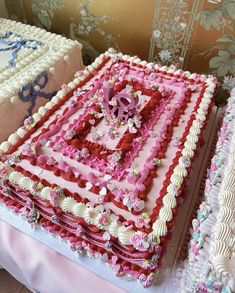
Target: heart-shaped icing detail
{"x": 92, "y": 121}
{"x": 106, "y": 236}
{"x": 88, "y": 186}
{"x": 110, "y": 186}
{"x": 103, "y": 191}
{"x": 107, "y": 177}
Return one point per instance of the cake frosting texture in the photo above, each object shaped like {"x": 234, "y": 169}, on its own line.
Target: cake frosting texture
{"x": 33, "y": 66}
{"x": 104, "y": 164}
{"x": 211, "y": 263}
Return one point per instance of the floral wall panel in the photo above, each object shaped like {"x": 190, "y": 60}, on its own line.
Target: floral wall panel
{"x": 98, "y": 24}
{"x": 198, "y": 35}
{"x": 173, "y": 26}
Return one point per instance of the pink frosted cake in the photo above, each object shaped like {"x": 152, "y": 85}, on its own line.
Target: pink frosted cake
{"x": 105, "y": 163}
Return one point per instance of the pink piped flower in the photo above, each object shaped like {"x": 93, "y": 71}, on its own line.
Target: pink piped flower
{"x": 29, "y": 121}
{"x": 104, "y": 220}
{"x": 43, "y": 141}
{"x": 79, "y": 73}
{"x": 149, "y": 281}
{"x": 119, "y": 195}
{"x": 55, "y": 195}
{"x": 85, "y": 153}
{"x": 79, "y": 231}
{"x": 70, "y": 134}
{"x": 3, "y": 182}
{"x": 142, "y": 221}
{"x": 29, "y": 150}
{"x": 57, "y": 146}
{"x": 186, "y": 161}
{"x": 82, "y": 154}
{"x": 146, "y": 281}
{"x": 176, "y": 141}
{"x": 133, "y": 202}
{"x": 195, "y": 249}
{"x": 37, "y": 186}
{"x": 3, "y": 172}
{"x": 139, "y": 241}
{"x": 202, "y": 287}
{"x": 64, "y": 86}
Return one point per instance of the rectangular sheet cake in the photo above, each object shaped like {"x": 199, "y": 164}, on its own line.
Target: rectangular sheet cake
{"x": 104, "y": 165}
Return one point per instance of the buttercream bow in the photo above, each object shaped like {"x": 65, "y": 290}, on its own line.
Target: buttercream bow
{"x": 31, "y": 91}
{"x": 16, "y": 45}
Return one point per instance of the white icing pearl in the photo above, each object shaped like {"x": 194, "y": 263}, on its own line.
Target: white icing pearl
{"x": 4, "y": 146}
{"x": 13, "y": 138}
{"x": 52, "y": 70}
{"x": 14, "y": 99}
{"x": 21, "y": 132}
{"x": 66, "y": 58}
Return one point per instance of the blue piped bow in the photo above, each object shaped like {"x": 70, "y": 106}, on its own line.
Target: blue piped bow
{"x": 29, "y": 92}
{"x": 16, "y": 45}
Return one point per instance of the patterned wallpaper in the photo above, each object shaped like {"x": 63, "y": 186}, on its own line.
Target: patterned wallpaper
{"x": 197, "y": 35}
{"x": 3, "y": 10}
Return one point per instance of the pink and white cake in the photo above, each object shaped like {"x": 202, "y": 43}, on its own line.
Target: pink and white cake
{"x": 104, "y": 165}
{"x": 210, "y": 266}
{"x": 34, "y": 64}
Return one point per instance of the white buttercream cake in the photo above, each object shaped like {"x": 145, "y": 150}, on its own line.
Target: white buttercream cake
{"x": 210, "y": 266}
{"x": 105, "y": 164}
{"x": 34, "y": 64}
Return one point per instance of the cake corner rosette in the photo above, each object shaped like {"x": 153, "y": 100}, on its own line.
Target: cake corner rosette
{"x": 104, "y": 164}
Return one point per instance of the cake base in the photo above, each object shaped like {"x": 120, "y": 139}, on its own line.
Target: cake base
{"x": 166, "y": 278}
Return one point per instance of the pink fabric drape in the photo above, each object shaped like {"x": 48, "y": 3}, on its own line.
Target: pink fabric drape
{"x": 43, "y": 270}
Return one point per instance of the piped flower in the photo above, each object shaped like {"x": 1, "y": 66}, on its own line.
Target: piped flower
{"x": 134, "y": 123}
{"x": 143, "y": 221}
{"x": 104, "y": 219}
{"x": 13, "y": 159}
{"x": 3, "y": 171}
{"x": 29, "y": 122}
{"x": 31, "y": 215}
{"x": 37, "y": 186}
{"x": 113, "y": 160}
{"x": 176, "y": 141}
{"x": 55, "y": 196}
{"x": 146, "y": 281}
{"x": 82, "y": 154}
{"x": 134, "y": 170}
{"x": 131, "y": 201}
{"x": 140, "y": 241}
{"x": 70, "y": 134}
{"x": 29, "y": 150}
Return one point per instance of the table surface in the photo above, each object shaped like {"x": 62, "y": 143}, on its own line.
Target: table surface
{"x": 46, "y": 266}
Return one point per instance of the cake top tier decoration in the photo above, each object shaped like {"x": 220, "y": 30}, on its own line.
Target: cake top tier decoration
{"x": 120, "y": 105}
